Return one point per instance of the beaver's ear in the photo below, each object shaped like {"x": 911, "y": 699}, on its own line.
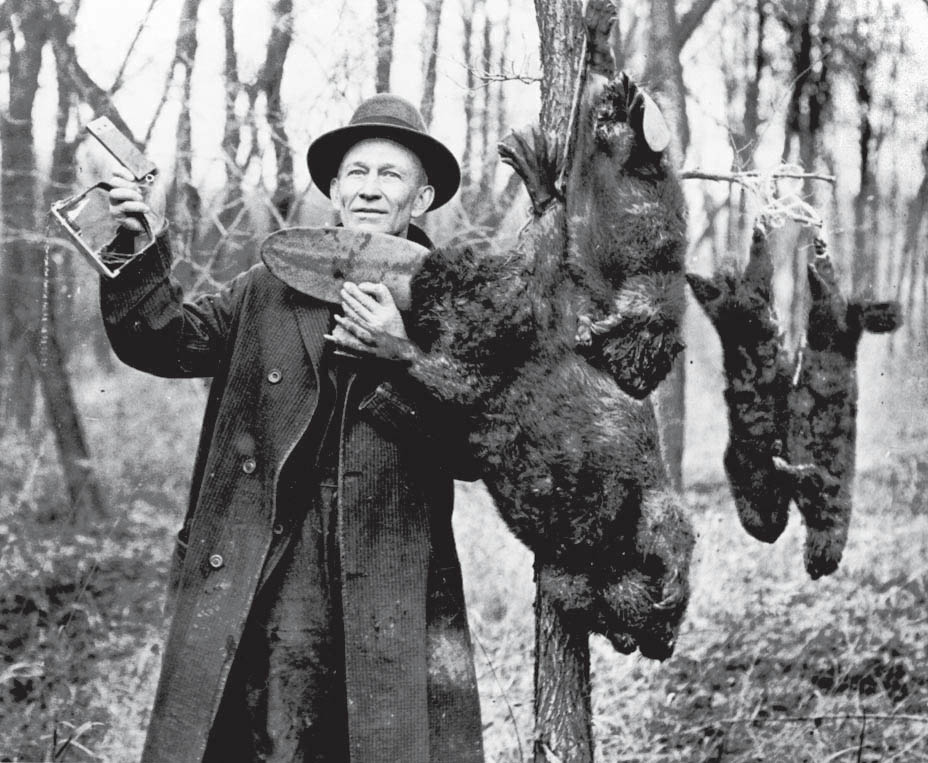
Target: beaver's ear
{"x": 654, "y": 127}
{"x": 646, "y": 119}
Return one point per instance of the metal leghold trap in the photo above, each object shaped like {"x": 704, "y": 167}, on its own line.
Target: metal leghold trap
{"x": 86, "y": 216}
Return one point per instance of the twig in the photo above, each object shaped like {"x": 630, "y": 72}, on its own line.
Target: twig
{"x": 818, "y": 718}
{"x": 118, "y": 79}
{"x": 742, "y": 178}
{"x": 775, "y": 207}
{"x": 863, "y": 736}
{"x": 513, "y": 76}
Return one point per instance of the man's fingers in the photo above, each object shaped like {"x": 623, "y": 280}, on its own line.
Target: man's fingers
{"x": 125, "y": 193}
{"x": 124, "y": 174}
{"x": 376, "y": 290}
{"x": 371, "y": 294}
{"x": 131, "y": 223}
{"x": 360, "y": 303}
{"x": 352, "y": 313}
{"x": 355, "y": 329}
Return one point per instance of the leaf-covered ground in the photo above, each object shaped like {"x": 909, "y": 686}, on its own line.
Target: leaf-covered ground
{"x": 770, "y": 666}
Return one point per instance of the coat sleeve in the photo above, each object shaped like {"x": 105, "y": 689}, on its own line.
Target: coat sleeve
{"x": 152, "y": 328}
{"x": 404, "y": 408}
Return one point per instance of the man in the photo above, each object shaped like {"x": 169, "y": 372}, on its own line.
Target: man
{"x": 319, "y": 612}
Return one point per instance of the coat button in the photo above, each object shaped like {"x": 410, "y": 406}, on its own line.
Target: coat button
{"x": 278, "y": 529}
{"x": 249, "y": 465}
{"x": 216, "y": 561}
{"x": 274, "y": 376}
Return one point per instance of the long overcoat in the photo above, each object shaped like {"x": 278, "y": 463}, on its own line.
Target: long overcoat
{"x": 409, "y": 670}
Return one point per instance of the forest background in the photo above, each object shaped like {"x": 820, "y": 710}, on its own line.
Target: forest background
{"x": 225, "y": 96}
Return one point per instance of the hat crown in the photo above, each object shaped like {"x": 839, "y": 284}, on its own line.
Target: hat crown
{"x": 390, "y": 117}
{"x": 389, "y": 109}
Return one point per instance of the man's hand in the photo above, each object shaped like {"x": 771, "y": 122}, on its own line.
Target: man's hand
{"x": 372, "y": 323}
{"x": 129, "y": 200}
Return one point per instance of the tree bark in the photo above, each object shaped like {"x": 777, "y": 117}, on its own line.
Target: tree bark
{"x": 665, "y": 71}
{"x": 386, "y": 30}
{"x": 562, "y": 673}
{"x": 692, "y": 19}
{"x": 21, "y": 280}
{"x": 863, "y": 256}
{"x": 908, "y": 270}
{"x": 562, "y": 684}
{"x": 811, "y": 77}
{"x": 84, "y": 493}
{"x": 560, "y": 26}
{"x": 469, "y": 13}
{"x": 272, "y": 74}
{"x": 183, "y": 197}
{"x": 433, "y": 10}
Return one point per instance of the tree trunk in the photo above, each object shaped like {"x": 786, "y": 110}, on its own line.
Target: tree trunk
{"x": 433, "y": 10}
{"x": 21, "y": 279}
{"x": 227, "y": 241}
{"x": 272, "y": 74}
{"x": 562, "y": 673}
{"x": 386, "y": 29}
{"x": 84, "y": 491}
{"x": 808, "y": 100}
{"x": 183, "y": 197}
{"x": 562, "y": 684}
{"x": 560, "y": 26}
{"x": 665, "y": 71}
{"x": 468, "y": 16}
{"x": 863, "y": 265}
{"x": 908, "y": 270}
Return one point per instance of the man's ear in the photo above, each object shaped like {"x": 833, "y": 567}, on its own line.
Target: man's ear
{"x": 424, "y": 198}
{"x": 334, "y": 196}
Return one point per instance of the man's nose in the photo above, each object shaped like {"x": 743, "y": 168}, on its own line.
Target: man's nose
{"x": 370, "y": 189}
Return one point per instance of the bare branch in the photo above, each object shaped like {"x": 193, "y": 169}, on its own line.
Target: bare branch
{"x": 81, "y": 82}
{"x": 776, "y": 207}
{"x": 488, "y": 78}
{"x": 118, "y": 79}
{"x": 742, "y": 177}
{"x": 692, "y": 19}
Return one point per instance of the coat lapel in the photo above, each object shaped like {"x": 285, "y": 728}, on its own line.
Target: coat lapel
{"x": 313, "y": 319}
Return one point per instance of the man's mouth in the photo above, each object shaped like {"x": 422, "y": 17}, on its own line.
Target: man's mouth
{"x": 369, "y": 212}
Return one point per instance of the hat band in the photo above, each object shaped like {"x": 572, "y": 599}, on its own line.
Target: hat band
{"x": 385, "y": 120}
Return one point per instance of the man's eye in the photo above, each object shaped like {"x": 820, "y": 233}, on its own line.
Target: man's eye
{"x": 355, "y": 171}
{"x": 391, "y": 174}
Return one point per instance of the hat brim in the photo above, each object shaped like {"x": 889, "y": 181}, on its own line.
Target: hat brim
{"x": 325, "y": 155}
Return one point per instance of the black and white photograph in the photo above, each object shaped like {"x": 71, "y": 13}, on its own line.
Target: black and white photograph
{"x": 463, "y": 381}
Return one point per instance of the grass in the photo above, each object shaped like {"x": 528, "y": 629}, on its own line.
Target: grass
{"x": 770, "y": 666}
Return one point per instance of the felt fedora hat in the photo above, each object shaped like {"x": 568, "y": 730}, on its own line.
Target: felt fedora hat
{"x": 386, "y": 116}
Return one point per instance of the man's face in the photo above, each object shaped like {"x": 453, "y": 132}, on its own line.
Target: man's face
{"x": 380, "y": 187}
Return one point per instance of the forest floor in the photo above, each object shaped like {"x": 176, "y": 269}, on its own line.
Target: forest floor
{"x": 769, "y": 666}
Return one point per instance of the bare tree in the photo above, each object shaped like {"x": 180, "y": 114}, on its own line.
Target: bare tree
{"x": 270, "y": 80}
{"x": 386, "y": 30}
{"x": 562, "y": 651}
{"x": 665, "y": 44}
{"x": 22, "y": 273}
{"x": 183, "y": 197}
{"x": 29, "y": 284}
{"x": 433, "y": 9}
